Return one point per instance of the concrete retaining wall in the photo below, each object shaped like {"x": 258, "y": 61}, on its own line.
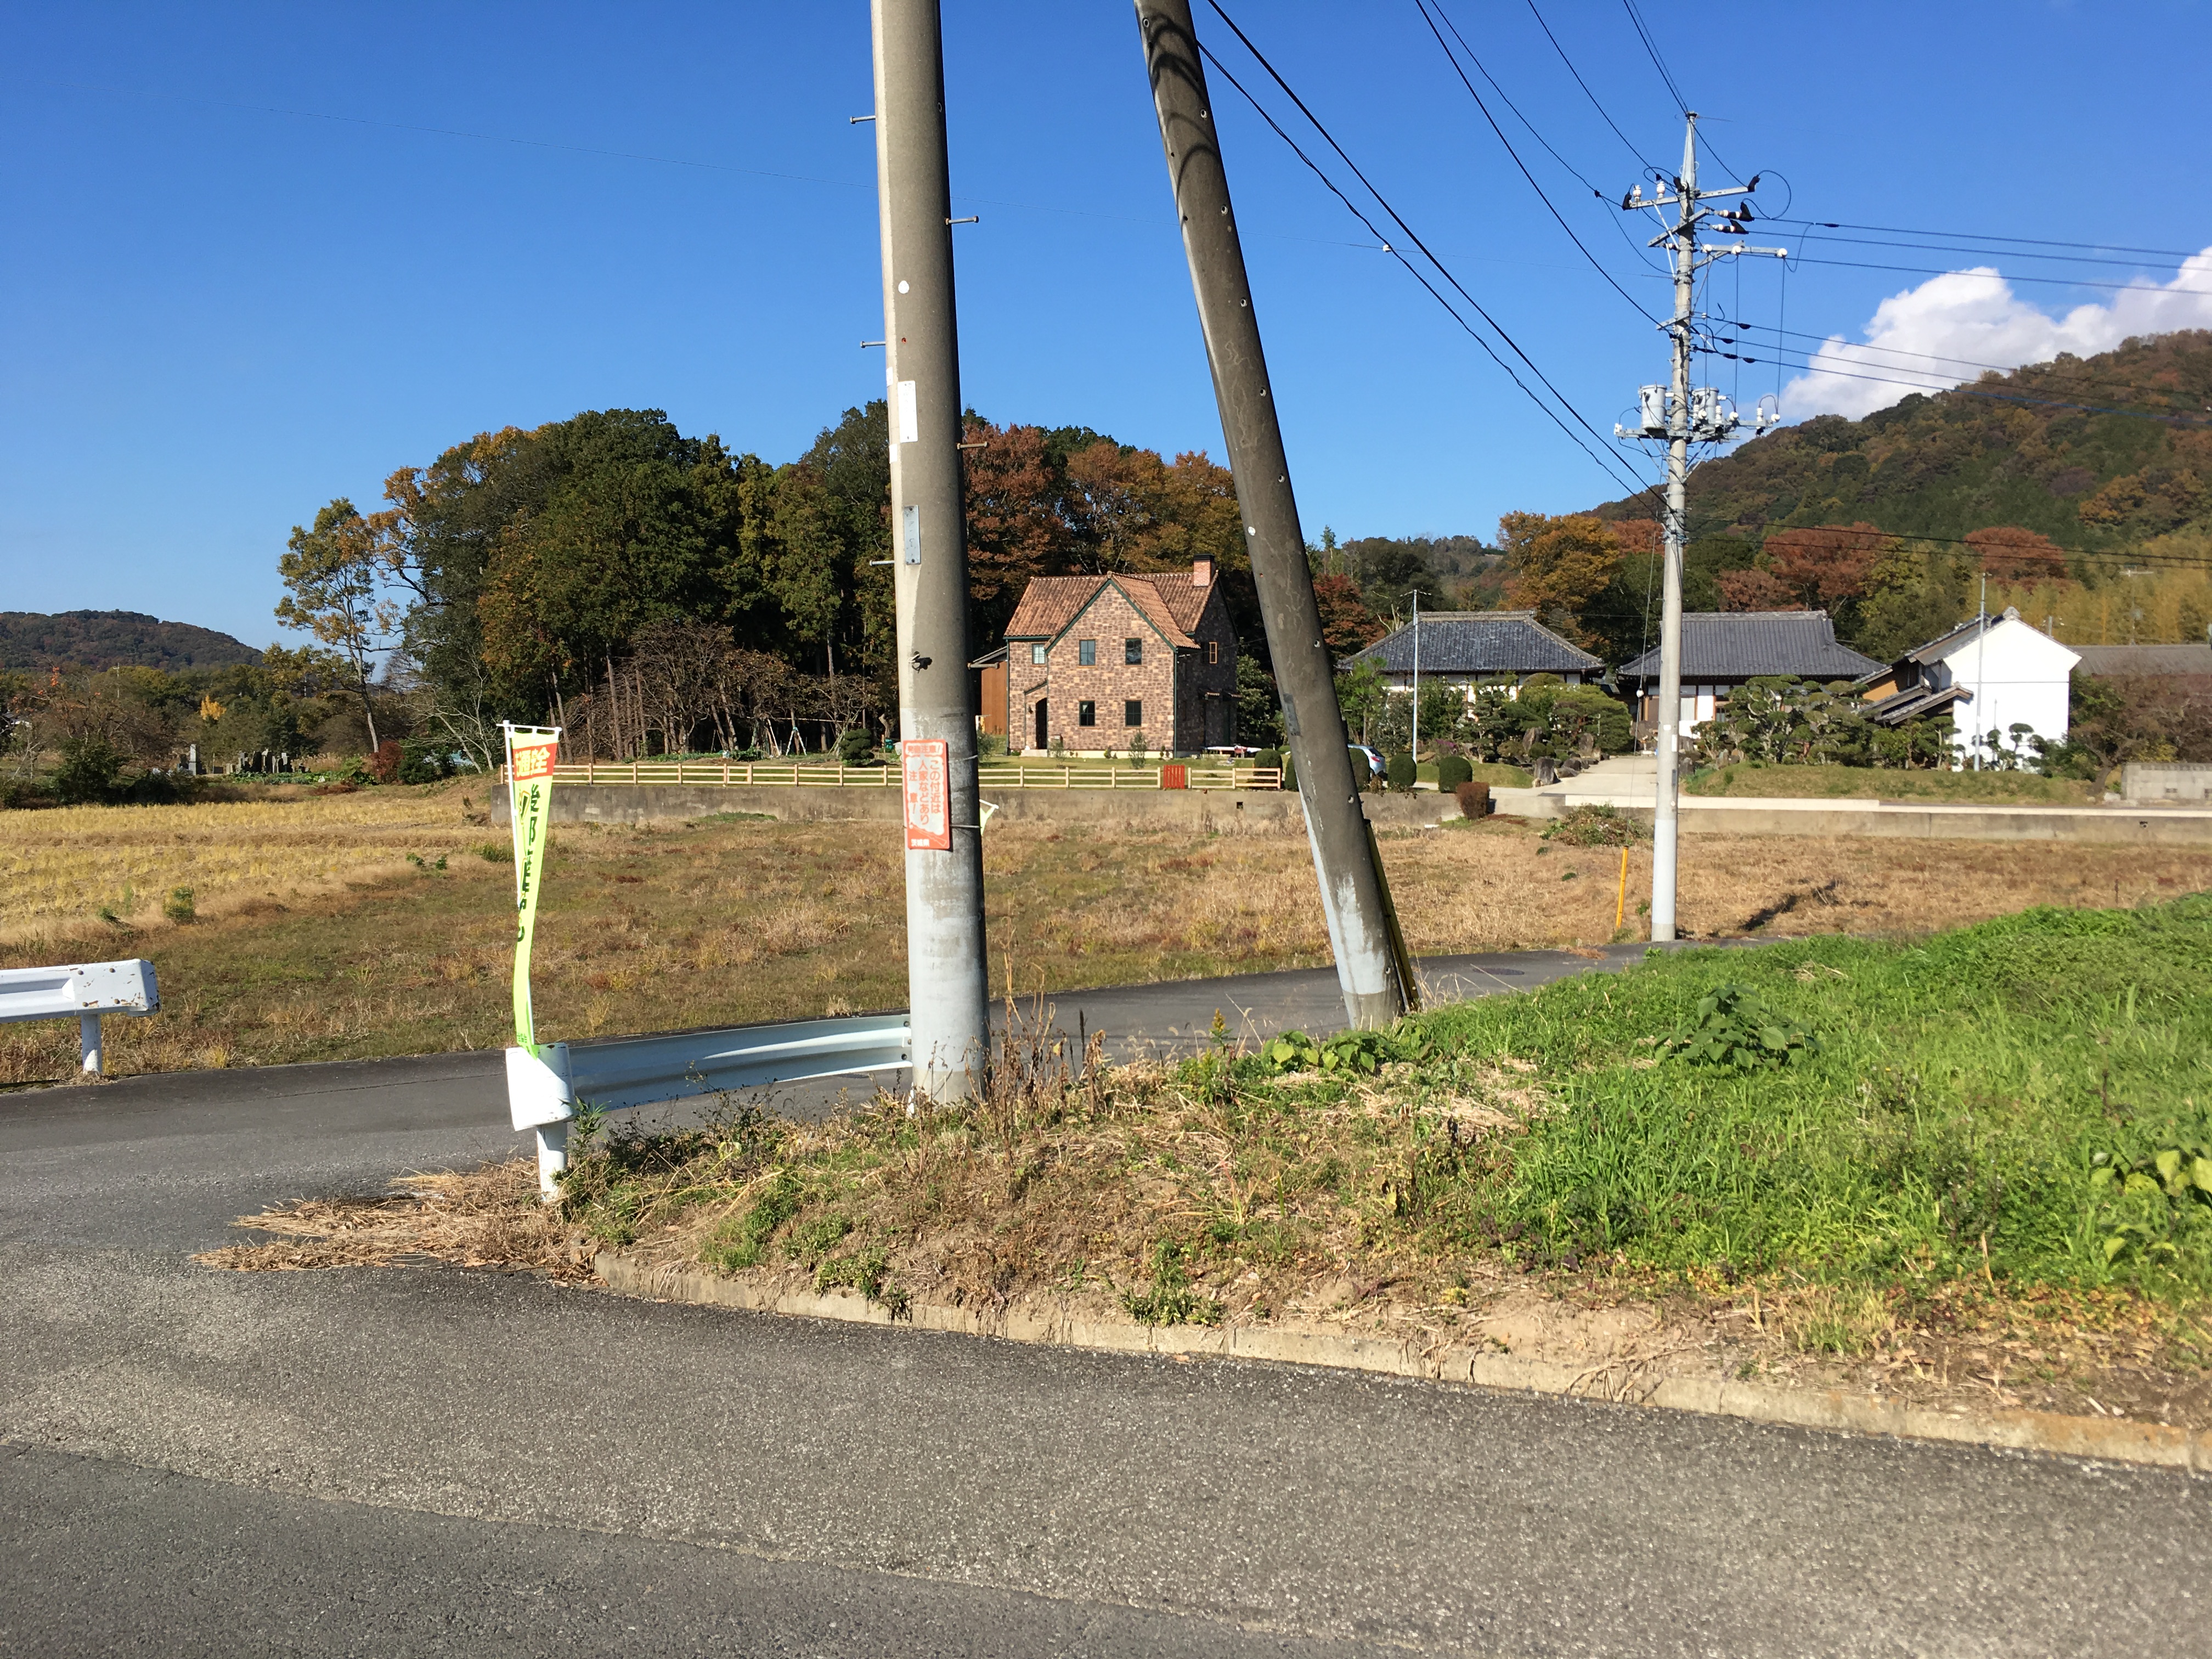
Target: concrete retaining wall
{"x": 2164, "y": 780}
{"x": 2160, "y": 827}
{"x": 1202, "y": 810}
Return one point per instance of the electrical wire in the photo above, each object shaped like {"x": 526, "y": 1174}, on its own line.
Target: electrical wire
{"x": 1942, "y": 386}
{"x": 1999, "y": 277}
{"x": 1987, "y": 252}
{"x": 1443, "y": 46}
{"x": 1601, "y": 455}
{"x": 2035, "y": 241}
{"x": 1652, "y": 51}
{"x": 1584, "y": 85}
{"x": 1412, "y": 269}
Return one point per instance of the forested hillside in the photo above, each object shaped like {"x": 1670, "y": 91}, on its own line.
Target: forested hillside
{"x": 34, "y": 641}
{"x": 2097, "y": 452}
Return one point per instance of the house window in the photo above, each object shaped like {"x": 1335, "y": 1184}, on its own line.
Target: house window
{"x": 1037, "y": 655}
{"x": 1133, "y": 652}
{"x": 1132, "y": 712}
{"x": 1213, "y": 651}
{"x": 1086, "y": 714}
{"x": 1087, "y": 651}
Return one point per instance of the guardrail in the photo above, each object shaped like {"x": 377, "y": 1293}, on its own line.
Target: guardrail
{"x": 792, "y": 774}
{"x": 84, "y": 990}
{"x": 544, "y": 1090}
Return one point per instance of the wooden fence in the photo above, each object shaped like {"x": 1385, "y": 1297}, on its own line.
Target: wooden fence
{"x": 787, "y": 775}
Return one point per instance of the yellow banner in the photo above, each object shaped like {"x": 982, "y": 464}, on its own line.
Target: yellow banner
{"x": 530, "y": 751}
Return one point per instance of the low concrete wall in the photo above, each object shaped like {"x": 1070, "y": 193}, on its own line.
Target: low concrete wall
{"x": 1202, "y": 810}
{"x": 2164, "y": 780}
{"x": 2160, "y": 827}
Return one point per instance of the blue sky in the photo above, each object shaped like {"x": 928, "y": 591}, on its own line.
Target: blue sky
{"x": 254, "y": 260}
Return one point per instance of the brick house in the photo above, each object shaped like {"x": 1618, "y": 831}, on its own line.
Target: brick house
{"x": 1093, "y": 661}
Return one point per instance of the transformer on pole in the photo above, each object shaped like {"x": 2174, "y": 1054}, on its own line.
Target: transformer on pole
{"x": 1682, "y": 416}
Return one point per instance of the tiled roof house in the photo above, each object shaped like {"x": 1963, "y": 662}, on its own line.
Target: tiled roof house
{"x": 1473, "y": 648}
{"x": 1722, "y": 649}
{"x": 1093, "y": 661}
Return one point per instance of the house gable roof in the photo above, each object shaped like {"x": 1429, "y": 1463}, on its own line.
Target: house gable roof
{"x": 1742, "y": 644}
{"x": 1050, "y": 605}
{"x": 1944, "y": 645}
{"x": 1478, "y": 642}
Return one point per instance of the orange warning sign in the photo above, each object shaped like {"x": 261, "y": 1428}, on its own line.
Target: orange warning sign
{"x": 534, "y": 760}
{"x": 928, "y": 795}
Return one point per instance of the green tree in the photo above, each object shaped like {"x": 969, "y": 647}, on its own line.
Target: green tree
{"x": 335, "y": 579}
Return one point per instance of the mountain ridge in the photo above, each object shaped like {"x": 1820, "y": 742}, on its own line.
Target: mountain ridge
{"x": 37, "y": 639}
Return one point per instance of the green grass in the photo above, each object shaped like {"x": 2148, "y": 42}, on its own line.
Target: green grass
{"x": 1965, "y": 1091}
{"x": 1496, "y": 775}
{"x": 1756, "y": 779}
{"x": 2011, "y": 1111}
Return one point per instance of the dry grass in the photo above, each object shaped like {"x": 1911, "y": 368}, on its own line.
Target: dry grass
{"x": 485, "y": 1218}
{"x": 59, "y": 869}
{"x": 319, "y": 941}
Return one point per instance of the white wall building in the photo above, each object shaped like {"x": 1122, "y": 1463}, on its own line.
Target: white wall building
{"x": 2007, "y": 673}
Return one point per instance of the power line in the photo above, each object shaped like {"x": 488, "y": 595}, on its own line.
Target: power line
{"x": 1984, "y": 252}
{"x": 1397, "y": 219}
{"x": 1422, "y": 6}
{"x": 2000, "y": 277}
{"x": 1584, "y": 85}
{"x": 1652, "y": 52}
{"x": 2040, "y": 371}
{"x": 2035, "y": 241}
{"x": 1967, "y": 391}
{"x": 1412, "y": 269}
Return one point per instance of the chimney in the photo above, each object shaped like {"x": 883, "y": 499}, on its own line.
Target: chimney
{"x": 1201, "y": 571}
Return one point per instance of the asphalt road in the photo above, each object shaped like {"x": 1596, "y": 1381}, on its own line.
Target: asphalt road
{"x": 423, "y": 1461}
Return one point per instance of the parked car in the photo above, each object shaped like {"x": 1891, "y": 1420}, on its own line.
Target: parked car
{"x": 1233, "y": 750}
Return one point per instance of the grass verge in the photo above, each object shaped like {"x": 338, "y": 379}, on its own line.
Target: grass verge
{"x": 1758, "y": 780}
{"x": 1978, "y": 1166}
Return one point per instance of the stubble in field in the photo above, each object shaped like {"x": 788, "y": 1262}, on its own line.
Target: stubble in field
{"x": 318, "y": 940}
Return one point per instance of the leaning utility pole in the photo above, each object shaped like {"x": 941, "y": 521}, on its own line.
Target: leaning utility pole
{"x": 1671, "y": 412}
{"x": 1353, "y": 898}
{"x": 947, "y": 980}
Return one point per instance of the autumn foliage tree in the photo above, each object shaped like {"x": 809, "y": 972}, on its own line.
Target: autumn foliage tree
{"x": 1561, "y": 568}
{"x": 2009, "y": 553}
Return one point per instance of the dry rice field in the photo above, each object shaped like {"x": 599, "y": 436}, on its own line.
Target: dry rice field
{"x": 316, "y": 938}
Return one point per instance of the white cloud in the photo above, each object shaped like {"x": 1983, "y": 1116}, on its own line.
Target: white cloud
{"x": 1916, "y": 336}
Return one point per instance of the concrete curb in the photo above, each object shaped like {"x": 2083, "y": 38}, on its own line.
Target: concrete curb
{"x": 1042, "y": 1319}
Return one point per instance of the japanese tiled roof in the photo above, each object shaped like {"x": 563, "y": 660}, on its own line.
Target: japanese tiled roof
{"x": 1741, "y": 644}
{"x": 1479, "y": 643}
{"x": 2113, "y": 660}
{"x": 1050, "y": 604}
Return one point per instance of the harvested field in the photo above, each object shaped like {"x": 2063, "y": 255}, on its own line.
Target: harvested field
{"x": 318, "y": 940}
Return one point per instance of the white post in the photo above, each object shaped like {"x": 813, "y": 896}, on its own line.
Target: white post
{"x": 1417, "y": 683}
{"x": 88, "y": 1029}
{"x": 552, "y": 1158}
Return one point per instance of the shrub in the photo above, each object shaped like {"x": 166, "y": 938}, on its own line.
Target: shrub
{"x": 1453, "y": 770}
{"x": 422, "y": 760}
{"x": 383, "y": 765}
{"x": 1399, "y": 771}
{"x": 1601, "y": 825}
{"x": 1737, "y": 1032}
{"x": 177, "y": 907}
{"x": 88, "y": 773}
{"x": 856, "y": 748}
{"x": 1473, "y": 799}
{"x": 1268, "y": 758}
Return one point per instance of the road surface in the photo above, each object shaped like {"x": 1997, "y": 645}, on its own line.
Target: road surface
{"x": 411, "y": 1462}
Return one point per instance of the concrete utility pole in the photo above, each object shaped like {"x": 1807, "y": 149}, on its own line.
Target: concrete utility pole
{"x": 947, "y": 980}
{"x": 1672, "y": 413}
{"x": 1354, "y": 901}
{"x": 1417, "y": 681}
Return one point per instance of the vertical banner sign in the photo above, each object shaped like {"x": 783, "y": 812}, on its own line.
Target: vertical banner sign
{"x": 530, "y": 755}
{"x": 928, "y": 795}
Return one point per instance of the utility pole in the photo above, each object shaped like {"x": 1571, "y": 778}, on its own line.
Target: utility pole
{"x": 1354, "y": 900}
{"x": 947, "y": 985}
{"x": 1673, "y": 412}
{"x": 1417, "y": 681}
